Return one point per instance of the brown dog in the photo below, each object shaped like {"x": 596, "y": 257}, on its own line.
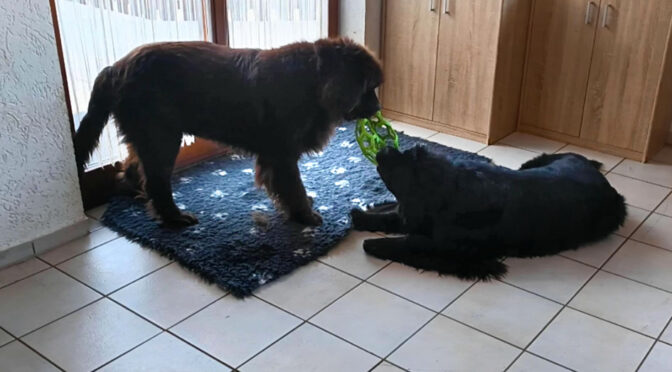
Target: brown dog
{"x": 277, "y": 104}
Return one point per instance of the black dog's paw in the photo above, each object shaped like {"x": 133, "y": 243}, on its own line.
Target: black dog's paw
{"x": 372, "y": 247}
{"x": 358, "y": 218}
{"x": 181, "y": 220}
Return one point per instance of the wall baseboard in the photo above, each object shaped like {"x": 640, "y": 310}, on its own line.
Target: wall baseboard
{"x": 61, "y": 236}
{"x": 16, "y": 254}
{"x": 44, "y": 243}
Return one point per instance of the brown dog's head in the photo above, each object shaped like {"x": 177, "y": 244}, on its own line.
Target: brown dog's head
{"x": 349, "y": 75}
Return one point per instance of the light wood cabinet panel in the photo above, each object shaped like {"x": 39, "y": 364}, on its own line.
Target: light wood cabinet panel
{"x": 466, "y": 62}
{"x": 626, "y": 70}
{"x": 409, "y": 56}
{"x": 558, "y": 64}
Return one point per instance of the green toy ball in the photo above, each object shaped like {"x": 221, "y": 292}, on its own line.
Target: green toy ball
{"x": 373, "y": 134}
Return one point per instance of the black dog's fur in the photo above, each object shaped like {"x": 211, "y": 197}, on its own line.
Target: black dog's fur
{"x": 277, "y": 104}
{"x": 462, "y": 217}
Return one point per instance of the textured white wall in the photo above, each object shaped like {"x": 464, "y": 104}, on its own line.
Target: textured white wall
{"x": 360, "y": 21}
{"x": 39, "y": 190}
{"x": 351, "y": 19}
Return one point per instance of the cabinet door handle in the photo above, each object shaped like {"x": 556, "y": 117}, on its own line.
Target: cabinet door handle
{"x": 605, "y": 18}
{"x": 446, "y": 6}
{"x": 432, "y": 5}
{"x": 589, "y": 12}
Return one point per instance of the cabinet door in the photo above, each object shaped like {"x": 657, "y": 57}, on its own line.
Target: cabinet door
{"x": 466, "y": 61}
{"x": 625, "y": 72}
{"x": 409, "y": 56}
{"x": 558, "y": 64}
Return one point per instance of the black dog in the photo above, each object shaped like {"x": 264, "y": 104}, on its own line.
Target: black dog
{"x": 462, "y": 217}
{"x": 277, "y": 104}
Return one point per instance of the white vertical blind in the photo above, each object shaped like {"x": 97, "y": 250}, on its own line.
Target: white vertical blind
{"x": 273, "y": 23}
{"x": 96, "y": 33}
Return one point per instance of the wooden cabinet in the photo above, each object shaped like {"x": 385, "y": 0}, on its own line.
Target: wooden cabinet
{"x": 410, "y": 57}
{"x": 455, "y": 65}
{"x": 598, "y": 74}
{"x": 558, "y": 64}
{"x": 466, "y": 69}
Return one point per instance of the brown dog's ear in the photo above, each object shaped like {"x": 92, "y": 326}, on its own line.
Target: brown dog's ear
{"x": 341, "y": 85}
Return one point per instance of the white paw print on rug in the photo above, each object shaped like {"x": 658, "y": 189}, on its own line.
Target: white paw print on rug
{"x": 262, "y": 278}
{"x": 302, "y": 252}
{"x": 218, "y": 194}
{"x": 338, "y": 170}
{"x": 342, "y": 183}
{"x": 259, "y": 207}
{"x": 219, "y": 172}
{"x": 311, "y": 165}
{"x": 359, "y": 202}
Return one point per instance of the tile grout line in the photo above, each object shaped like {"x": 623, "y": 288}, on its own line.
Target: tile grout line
{"x": 361, "y": 281}
{"x": 160, "y": 327}
{"x": 39, "y": 354}
{"x": 613, "y": 170}
{"x": 106, "y": 296}
{"x": 22, "y": 342}
{"x": 170, "y": 331}
{"x": 126, "y": 352}
{"x": 11, "y": 336}
{"x": 436, "y": 314}
{"x": 564, "y": 306}
{"x": 669, "y": 322}
{"x": 50, "y": 265}
{"x": 526, "y": 349}
{"x": 307, "y": 321}
{"x": 90, "y": 249}
{"x": 57, "y": 319}
{"x": 657, "y": 339}
{"x": 583, "y": 311}
{"x": 27, "y": 276}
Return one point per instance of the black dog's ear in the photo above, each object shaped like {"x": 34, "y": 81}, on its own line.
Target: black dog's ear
{"x": 419, "y": 152}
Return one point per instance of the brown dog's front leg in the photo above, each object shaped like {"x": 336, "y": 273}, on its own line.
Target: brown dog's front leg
{"x": 283, "y": 181}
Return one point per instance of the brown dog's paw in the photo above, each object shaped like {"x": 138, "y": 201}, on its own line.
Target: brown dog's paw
{"x": 181, "y": 220}
{"x": 310, "y": 219}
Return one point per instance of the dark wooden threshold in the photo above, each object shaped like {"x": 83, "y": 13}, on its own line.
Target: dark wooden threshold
{"x": 97, "y": 185}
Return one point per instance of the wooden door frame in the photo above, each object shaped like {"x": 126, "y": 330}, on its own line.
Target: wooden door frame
{"x": 97, "y": 185}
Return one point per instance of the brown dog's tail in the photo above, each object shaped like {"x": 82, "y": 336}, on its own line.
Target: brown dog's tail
{"x": 93, "y": 123}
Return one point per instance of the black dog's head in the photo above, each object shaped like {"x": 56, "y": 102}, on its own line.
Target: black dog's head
{"x": 349, "y": 76}
{"x": 398, "y": 170}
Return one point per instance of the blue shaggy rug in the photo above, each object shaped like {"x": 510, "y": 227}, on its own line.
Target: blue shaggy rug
{"x": 241, "y": 241}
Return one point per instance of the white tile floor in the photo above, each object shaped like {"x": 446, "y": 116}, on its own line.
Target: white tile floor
{"x": 102, "y": 302}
